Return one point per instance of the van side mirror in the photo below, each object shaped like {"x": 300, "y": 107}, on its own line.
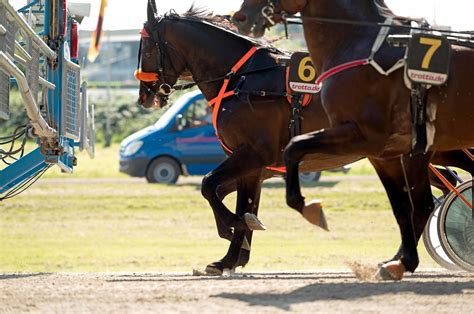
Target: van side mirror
{"x": 179, "y": 122}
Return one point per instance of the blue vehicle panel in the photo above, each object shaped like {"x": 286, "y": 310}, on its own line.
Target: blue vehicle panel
{"x": 182, "y": 140}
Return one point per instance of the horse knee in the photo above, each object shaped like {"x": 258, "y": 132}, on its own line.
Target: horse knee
{"x": 292, "y": 151}
{"x": 208, "y": 187}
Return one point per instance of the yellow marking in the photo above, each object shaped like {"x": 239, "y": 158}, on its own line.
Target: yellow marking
{"x": 435, "y": 44}
{"x": 306, "y": 70}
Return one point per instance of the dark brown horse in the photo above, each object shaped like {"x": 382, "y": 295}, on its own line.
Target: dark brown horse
{"x": 372, "y": 116}
{"x": 254, "y": 128}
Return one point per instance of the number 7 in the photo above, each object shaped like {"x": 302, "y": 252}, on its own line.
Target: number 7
{"x": 435, "y": 44}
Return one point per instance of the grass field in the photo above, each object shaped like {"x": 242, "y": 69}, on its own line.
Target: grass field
{"x": 99, "y": 220}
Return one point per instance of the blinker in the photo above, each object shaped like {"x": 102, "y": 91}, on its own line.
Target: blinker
{"x": 146, "y": 76}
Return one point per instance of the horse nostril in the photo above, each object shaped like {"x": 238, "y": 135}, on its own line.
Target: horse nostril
{"x": 239, "y": 17}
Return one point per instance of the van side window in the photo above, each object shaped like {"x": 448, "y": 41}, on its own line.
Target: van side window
{"x": 198, "y": 114}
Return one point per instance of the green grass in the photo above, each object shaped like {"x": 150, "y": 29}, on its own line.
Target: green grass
{"x": 129, "y": 225}
{"x": 104, "y": 165}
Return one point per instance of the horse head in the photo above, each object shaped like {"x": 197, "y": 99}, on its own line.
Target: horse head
{"x": 156, "y": 71}
{"x": 255, "y": 16}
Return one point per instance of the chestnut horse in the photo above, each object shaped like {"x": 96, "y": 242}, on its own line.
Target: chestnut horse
{"x": 253, "y": 128}
{"x": 371, "y": 117}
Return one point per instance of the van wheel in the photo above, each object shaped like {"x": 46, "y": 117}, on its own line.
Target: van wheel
{"x": 310, "y": 177}
{"x": 163, "y": 170}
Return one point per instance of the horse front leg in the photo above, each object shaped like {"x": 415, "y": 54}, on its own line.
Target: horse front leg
{"x": 243, "y": 161}
{"x": 238, "y": 254}
{"x": 332, "y": 148}
{"x": 219, "y": 182}
{"x": 406, "y": 182}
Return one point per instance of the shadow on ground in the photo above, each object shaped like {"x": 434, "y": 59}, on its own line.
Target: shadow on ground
{"x": 347, "y": 291}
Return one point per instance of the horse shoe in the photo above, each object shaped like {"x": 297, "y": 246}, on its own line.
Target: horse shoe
{"x": 253, "y": 223}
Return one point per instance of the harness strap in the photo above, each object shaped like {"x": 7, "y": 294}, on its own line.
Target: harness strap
{"x": 226, "y": 94}
{"x": 469, "y": 154}
{"x": 217, "y": 101}
{"x": 381, "y": 37}
{"x": 370, "y": 60}
{"x": 340, "y": 68}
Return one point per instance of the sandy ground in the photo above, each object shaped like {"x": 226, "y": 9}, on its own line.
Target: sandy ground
{"x": 326, "y": 292}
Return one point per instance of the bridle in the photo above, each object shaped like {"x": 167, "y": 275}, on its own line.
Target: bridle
{"x": 268, "y": 11}
{"x": 163, "y": 90}
{"x": 268, "y": 14}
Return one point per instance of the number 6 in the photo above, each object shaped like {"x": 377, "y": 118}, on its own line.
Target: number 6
{"x": 306, "y": 71}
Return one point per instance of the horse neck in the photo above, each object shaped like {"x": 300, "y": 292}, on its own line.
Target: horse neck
{"x": 209, "y": 52}
{"x": 333, "y": 44}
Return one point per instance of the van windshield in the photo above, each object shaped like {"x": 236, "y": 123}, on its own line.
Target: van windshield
{"x": 172, "y": 112}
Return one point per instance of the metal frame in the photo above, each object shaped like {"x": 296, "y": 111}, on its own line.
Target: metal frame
{"x": 57, "y": 123}
{"x": 434, "y": 236}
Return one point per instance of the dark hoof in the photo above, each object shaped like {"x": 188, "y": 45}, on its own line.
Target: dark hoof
{"x": 253, "y": 223}
{"x": 295, "y": 202}
{"x": 218, "y": 269}
{"x": 313, "y": 212}
{"x": 391, "y": 271}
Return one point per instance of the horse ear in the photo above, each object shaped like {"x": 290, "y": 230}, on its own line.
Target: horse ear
{"x": 151, "y": 11}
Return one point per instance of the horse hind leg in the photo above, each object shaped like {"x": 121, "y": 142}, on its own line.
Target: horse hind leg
{"x": 456, "y": 158}
{"x": 332, "y": 148}
{"x": 411, "y": 206}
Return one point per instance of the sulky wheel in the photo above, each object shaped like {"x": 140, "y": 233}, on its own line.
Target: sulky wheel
{"x": 456, "y": 227}
{"x": 433, "y": 245}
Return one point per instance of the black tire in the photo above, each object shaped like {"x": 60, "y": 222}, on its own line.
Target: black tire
{"x": 310, "y": 177}
{"x": 163, "y": 170}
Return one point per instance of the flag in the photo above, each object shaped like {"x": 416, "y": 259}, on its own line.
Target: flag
{"x": 97, "y": 35}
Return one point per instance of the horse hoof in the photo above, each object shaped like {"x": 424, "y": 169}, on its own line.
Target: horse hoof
{"x": 215, "y": 269}
{"x": 313, "y": 212}
{"x": 393, "y": 270}
{"x": 253, "y": 223}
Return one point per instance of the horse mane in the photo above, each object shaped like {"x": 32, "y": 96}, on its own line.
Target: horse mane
{"x": 200, "y": 14}
{"x": 205, "y": 14}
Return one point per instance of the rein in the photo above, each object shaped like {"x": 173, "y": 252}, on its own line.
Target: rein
{"x": 458, "y": 34}
{"x": 268, "y": 12}
{"x": 155, "y": 77}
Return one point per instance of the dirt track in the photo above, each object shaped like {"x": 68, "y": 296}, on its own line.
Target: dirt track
{"x": 433, "y": 292}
